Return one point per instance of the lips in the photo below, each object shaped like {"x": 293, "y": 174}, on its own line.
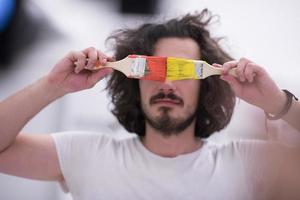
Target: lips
{"x": 167, "y": 99}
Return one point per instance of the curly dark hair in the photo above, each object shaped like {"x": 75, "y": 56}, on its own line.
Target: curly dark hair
{"x": 216, "y": 100}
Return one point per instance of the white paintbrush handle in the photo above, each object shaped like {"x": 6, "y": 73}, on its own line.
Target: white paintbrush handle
{"x": 231, "y": 71}
{"x": 131, "y": 67}
{"x": 123, "y": 66}
{"x": 211, "y": 70}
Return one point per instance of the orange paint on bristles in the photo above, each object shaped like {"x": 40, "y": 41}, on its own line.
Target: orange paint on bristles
{"x": 156, "y": 67}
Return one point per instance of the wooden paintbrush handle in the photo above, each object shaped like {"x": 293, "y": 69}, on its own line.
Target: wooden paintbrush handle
{"x": 217, "y": 70}
{"x": 232, "y": 72}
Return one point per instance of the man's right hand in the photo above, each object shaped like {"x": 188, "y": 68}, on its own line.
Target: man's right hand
{"x": 35, "y": 156}
{"x": 72, "y": 74}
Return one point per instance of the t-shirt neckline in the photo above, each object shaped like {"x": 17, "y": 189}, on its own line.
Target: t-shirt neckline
{"x": 190, "y": 155}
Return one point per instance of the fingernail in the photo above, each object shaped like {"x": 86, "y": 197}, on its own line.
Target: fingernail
{"x": 88, "y": 66}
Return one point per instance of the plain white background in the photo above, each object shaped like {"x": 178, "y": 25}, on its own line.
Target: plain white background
{"x": 265, "y": 31}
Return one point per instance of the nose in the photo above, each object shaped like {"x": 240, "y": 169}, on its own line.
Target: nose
{"x": 167, "y": 86}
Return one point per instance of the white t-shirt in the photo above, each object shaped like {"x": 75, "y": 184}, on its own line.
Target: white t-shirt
{"x": 97, "y": 166}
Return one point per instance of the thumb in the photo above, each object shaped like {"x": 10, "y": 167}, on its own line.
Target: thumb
{"x": 217, "y": 65}
{"x": 233, "y": 82}
{"x": 100, "y": 74}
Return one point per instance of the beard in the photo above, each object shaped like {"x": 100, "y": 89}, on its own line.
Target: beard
{"x": 164, "y": 123}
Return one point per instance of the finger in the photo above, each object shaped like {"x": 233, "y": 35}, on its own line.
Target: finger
{"x": 241, "y": 68}
{"x": 79, "y": 59}
{"x": 233, "y": 82}
{"x": 98, "y": 75}
{"x": 240, "y": 71}
{"x": 229, "y": 65}
{"x": 217, "y": 65}
{"x": 102, "y": 58}
{"x": 111, "y": 59}
{"x": 258, "y": 70}
{"x": 249, "y": 72}
{"x": 92, "y": 56}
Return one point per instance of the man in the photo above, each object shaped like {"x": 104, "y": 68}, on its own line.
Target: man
{"x": 169, "y": 159}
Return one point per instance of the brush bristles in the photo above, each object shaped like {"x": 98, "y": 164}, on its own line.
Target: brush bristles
{"x": 169, "y": 68}
{"x": 179, "y": 68}
{"x": 156, "y": 68}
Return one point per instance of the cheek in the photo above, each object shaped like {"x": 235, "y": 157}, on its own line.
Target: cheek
{"x": 145, "y": 89}
{"x": 191, "y": 92}
{"x": 191, "y": 100}
{"x": 144, "y": 98}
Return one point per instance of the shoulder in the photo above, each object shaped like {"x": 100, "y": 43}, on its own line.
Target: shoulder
{"x": 88, "y": 139}
{"x": 242, "y": 145}
{"x": 79, "y": 137}
{"x": 254, "y": 151}
{"x": 249, "y": 149}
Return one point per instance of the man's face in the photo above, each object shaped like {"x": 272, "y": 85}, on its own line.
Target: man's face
{"x": 170, "y": 106}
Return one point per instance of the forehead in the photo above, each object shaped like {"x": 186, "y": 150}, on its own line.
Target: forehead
{"x": 177, "y": 47}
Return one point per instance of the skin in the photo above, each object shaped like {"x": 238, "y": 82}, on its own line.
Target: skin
{"x": 185, "y": 141}
{"x": 35, "y": 156}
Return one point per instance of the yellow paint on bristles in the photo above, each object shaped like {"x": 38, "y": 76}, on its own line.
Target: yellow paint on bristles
{"x": 180, "y": 68}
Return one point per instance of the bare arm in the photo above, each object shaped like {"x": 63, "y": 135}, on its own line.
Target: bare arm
{"x": 34, "y": 156}
{"x": 255, "y": 86}
{"x": 31, "y": 156}
{"x": 18, "y": 109}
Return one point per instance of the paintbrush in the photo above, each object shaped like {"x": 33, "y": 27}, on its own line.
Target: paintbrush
{"x": 164, "y": 68}
{"x": 140, "y": 67}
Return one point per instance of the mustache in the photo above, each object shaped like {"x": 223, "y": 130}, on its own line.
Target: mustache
{"x": 162, "y": 95}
